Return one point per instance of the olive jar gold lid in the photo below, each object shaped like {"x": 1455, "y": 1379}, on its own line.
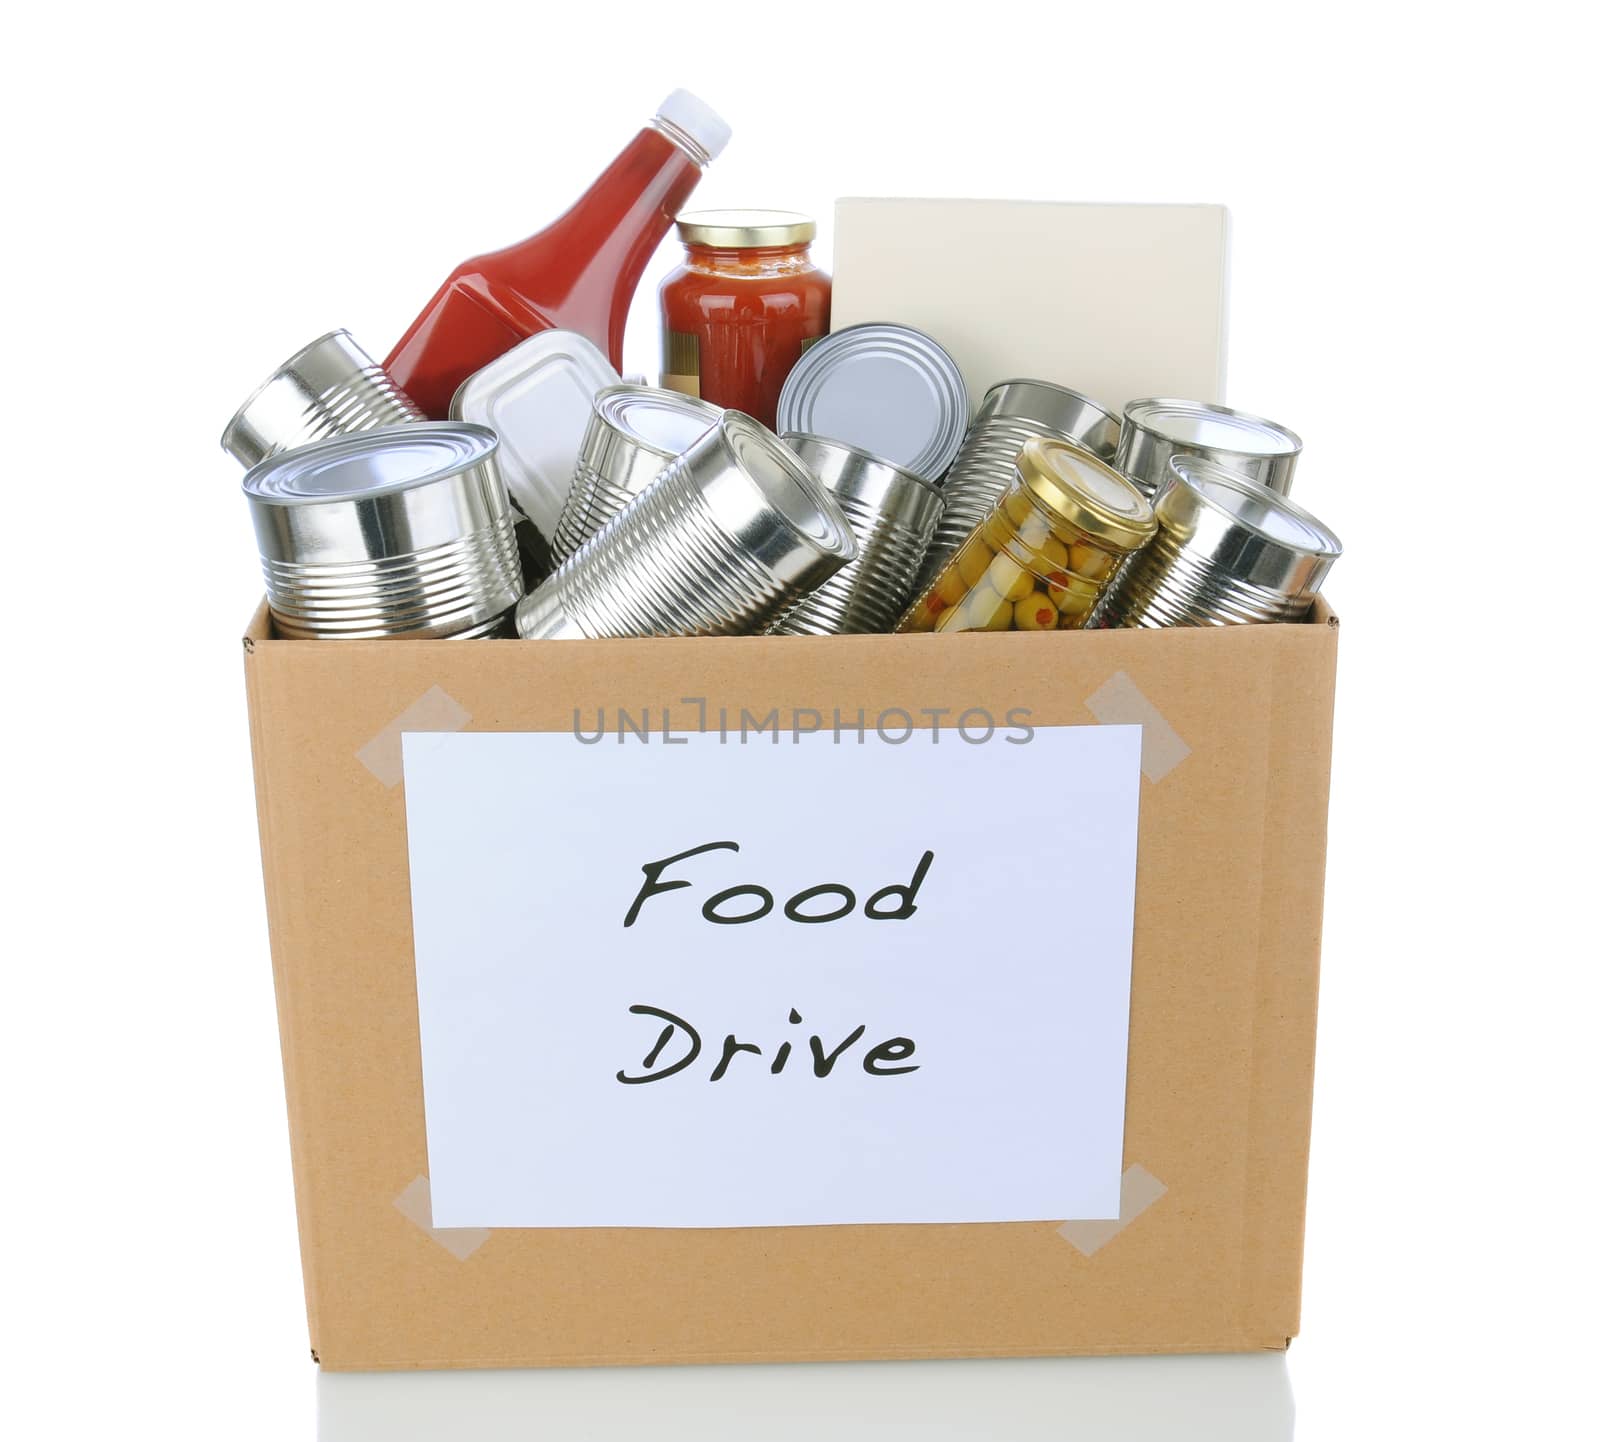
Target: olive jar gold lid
{"x": 744, "y": 229}
{"x": 1085, "y": 492}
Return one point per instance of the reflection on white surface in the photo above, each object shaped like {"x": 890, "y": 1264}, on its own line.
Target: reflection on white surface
{"x": 1081, "y": 1399}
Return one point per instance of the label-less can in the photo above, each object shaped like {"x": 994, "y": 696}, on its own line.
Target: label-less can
{"x": 1228, "y": 552}
{"x": 722, "y": 543}
{"x": 1156, "y": 430}
{"x": 329, "y": 388}
{"x": 892, "y": 513}
{"x": 398, "y": 532}
{"x": 634, "y": 433}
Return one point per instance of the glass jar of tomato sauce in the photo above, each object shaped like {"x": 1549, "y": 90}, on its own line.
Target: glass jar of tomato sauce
{"x": 737, "y": 313}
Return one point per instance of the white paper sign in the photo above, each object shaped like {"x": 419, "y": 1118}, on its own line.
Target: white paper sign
{"x": 957, "y": 1055}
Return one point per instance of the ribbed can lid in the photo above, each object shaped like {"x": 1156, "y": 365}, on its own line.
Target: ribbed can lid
{"x": 886, "y": 389}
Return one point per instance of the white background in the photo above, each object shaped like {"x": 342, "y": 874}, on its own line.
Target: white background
{"x": 193, "y": 193}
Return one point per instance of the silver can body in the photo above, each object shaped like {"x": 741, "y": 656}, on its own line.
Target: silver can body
{"x": 1228, "y": 552}
{"x": 634, "y": 433}
{"x": 398, "y": 532}
{"x": 1154, "y": 430}
{"x": 724, "y": 542}
{"x": 330, "y": 388}
{"x": 892, "y": 513}
{"x": 1011, "y": 414}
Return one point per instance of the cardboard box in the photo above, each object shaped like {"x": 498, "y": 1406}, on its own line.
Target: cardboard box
{"x": 1206, "y": 1256}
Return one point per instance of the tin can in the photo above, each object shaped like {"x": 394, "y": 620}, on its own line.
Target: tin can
{"x": 1229, "y": 552}
{"x": 634, "y": 433}
{"x": 1010, "y": 414}
{"x": 1039, "y": 559}
{"x": 330, "y": 388}
{"x": 892, "y": 513}
{"x": 885, "y": 389}
{"x": 398, "y": 532}
{"x": 723, "y": 543}
{"x": 1155, "y": 430}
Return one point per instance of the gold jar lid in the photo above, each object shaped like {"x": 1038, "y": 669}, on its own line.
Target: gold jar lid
{"x": 743, "y": 229}
{"x": 1085, "y": 492}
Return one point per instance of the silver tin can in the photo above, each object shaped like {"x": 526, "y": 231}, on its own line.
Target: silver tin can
{"x": 892, "y": 513}
{"x": 1011, "y": 414}
{"x": 885, "y": 389}
{"x": 1156, "y": 429}
{"x": 1229, "y": 552}
{"x": 723, "y": 543}
{"x": 634, "y": 433}
{"x": 398, "y": 532}
{"x": 330, "y": 388}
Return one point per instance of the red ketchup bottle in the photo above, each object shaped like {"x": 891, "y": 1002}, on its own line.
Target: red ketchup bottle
{"x": 578, "y": 273}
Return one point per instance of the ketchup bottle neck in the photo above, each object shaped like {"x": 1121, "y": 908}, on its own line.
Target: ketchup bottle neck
{"x": 643, "y": 186}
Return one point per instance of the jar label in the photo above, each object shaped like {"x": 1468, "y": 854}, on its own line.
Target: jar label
{"x": 680, "y": 363}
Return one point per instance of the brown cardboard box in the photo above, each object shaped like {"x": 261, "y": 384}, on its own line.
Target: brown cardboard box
{"x": 1230, "y": 872}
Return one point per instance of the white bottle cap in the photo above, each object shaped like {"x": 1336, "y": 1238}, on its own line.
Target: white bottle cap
{"x": 687, "y": 112}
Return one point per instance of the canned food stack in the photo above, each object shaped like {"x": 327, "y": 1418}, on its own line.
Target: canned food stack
{"x": 671, "y": 511}
{"x": 723, "y": 542}
{"x": 399, "y": 532}
{"x": 1228, "y": 552}
{"x": 1011, "y": 414}
{"x": 892, "y": 513}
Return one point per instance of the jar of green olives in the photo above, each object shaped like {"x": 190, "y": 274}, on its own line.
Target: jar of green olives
{"x": 1038, "y": 560}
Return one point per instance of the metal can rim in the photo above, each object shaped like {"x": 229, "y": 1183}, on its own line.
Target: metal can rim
{"x": 277, "y": 374}
{"x": 812, "y": 438}
{"x": 1185, "y": 467}
{"x": 610, "y": 398}
{"x": 484, "y": 444}
{"x": 1141, "y": 413}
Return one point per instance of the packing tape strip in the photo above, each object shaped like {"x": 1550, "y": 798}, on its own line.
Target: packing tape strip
{"x": 1140, "y": 1191}
{"x": 434, "y": 710}
{"x": 415, "y": 1204}
{"x": 1120, "y": 703}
